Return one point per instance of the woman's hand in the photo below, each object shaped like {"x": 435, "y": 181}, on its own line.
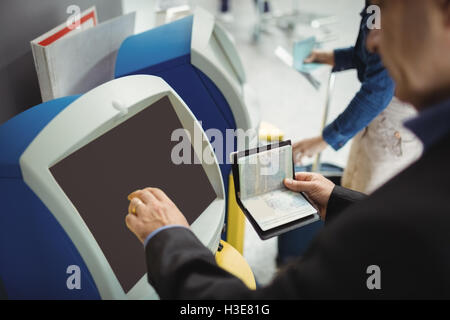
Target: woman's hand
{"x": 326, "y": 57}
{"x": 317, "y": 188}
{"x": 308, "y": 148}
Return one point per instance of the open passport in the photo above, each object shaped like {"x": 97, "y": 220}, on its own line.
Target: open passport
{"x": 261, "y": 189}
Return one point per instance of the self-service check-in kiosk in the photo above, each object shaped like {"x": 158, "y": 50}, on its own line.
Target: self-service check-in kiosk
{"x": 199, "y": 60}
{"x": 66, "y": 168}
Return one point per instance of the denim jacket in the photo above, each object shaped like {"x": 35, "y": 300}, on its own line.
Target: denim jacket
{"x": 377, "y": 90}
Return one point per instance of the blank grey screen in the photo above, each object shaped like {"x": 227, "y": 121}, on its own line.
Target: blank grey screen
{"x": 136, "y": 154}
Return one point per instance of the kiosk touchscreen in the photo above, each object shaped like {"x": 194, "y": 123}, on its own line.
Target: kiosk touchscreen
{"x": 75, "y": 175}
{"x": 98, "y": 177}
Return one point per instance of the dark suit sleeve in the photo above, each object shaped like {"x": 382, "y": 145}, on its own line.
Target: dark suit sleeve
{"x": 334, "y": 267}
{"x": 340, "y": 199}
{"x": 181, "y": 267}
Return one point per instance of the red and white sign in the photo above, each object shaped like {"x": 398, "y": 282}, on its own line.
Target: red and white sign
{"x": 88, "y": 19}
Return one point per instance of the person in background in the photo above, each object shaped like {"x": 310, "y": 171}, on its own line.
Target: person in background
{"x": 225, "y": 14}
{"x": 390, "y": 245}
{"x": 381, "y": 146}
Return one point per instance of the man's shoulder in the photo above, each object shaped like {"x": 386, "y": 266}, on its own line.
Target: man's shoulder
{"x": 426, "y": 182}
{"x": 401, "y": 228}
{"x": 418, "y": 194}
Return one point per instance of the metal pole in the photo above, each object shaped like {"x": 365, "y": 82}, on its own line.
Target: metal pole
{"x": 330, "y": 88}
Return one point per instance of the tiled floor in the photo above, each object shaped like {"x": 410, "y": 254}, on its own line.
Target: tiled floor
{"x": 285, "y": 97}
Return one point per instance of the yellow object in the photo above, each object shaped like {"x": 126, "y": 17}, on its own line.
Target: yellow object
{"x": 236, "y": 220}
{"x": 229, "y": 259}
{"x": 269, "y": 132}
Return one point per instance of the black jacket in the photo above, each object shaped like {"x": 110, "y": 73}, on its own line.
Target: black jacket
{"x": 403, "y": 228}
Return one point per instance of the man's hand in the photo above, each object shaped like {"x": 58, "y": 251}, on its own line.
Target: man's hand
{"x": 326, "y": 57}
{"x": 317, "y": 187}
{"x": 308, "y": 148}
{"x": 151, "y": 209}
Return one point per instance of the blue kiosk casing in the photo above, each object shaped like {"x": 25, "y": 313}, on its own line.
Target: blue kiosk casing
{"x": 34, "y": 249}
{"x": 64, "y": 177}
{"x": 197, "y": 58}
